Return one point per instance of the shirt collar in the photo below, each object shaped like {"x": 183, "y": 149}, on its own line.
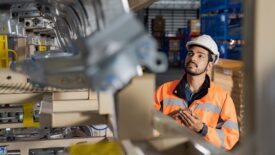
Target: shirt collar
{"x": 179, "y": 91}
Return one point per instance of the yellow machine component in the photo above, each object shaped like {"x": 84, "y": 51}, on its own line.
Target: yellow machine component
{"x": 102, "y": 148}
{"x": 28, "y": 116}
{"x": 42, "y": 48}
{"x": 14, "y": 53}
{"x": 4, "y": 56}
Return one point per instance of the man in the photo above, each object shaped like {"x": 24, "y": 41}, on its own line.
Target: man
{"x": 197, "y": 103}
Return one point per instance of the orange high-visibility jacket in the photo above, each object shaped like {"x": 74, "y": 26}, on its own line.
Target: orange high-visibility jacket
{"x": 214, "y": 107}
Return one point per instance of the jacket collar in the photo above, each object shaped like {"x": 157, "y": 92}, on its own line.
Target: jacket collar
{"x": 179, "y": 91}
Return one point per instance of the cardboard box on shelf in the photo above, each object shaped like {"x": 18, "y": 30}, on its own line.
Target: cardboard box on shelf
{"x": 229, "y": 75}
{"x": 195, "y": 26}
{"x": 157, "y": 34}
{"x": 174, "y": 45}
{"x": 140, "y": 4}
{"x": 158, "y": 24}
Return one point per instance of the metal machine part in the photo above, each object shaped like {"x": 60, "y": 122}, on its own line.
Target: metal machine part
{"x": 167, "y": 127}
{"x": 64, "y": 72}
{"x": 45, "y": 146}
{"x": 114, "y": 59}
{"x": 103, "y": 56}
{"x": 47, "y": 151}
{"x": 15, "y": 114}
{"x": 10, "y": 26}
{"x": 11, "y": 114}
{"x": 30, "y": 134}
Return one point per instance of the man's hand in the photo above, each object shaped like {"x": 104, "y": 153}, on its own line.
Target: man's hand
{"x": 175, "y": 116}
{"x": 190, "y": 120}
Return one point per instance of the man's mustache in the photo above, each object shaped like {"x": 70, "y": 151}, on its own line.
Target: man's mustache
{"x": 192, "y": 63}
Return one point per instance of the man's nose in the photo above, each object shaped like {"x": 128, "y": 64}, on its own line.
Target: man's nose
{"x": 193, "y": 58}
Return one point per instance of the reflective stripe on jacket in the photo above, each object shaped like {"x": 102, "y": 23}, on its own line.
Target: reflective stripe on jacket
{"x": 215, "y": 108}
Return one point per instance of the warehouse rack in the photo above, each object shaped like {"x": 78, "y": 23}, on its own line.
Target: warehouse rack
{"x": 222, "y": 19}
{"x": 222, "y": 26}
{"x": 174, "y": 47}
{"x": 214, "y": 5}
{"x": 228, "y": 51}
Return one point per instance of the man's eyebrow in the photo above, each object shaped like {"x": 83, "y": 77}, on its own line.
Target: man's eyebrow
{"x": 197, "y": 52}
{"x": 201, "y": 53}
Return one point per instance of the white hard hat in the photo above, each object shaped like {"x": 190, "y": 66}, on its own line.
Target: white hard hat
{"x": 207, "y": 42}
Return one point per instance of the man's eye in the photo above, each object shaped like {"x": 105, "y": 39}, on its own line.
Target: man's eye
{"x": 190, "y": 53}
{"x": 201, "y": 56}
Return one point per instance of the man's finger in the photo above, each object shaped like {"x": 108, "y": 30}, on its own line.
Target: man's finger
{"x": 175, "y": 116}
{"x": 175, "y": 112}
{"x": 185, "y": 118}
{"x": 195, "y": 115}
{"x": 184, "y": 121}
{"x": 189, "y": 117}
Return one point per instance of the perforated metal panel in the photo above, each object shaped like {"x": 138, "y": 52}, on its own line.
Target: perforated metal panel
{"x": 174, "y": 19}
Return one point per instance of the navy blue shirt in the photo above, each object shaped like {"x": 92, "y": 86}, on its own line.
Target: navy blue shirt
{"x": 188, "y": 94}
{"x": 189, "y": 98}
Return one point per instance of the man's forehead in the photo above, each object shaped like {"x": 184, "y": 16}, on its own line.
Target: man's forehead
{"x": 198, "y": 49}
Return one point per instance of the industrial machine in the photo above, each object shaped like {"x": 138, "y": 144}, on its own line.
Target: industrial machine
{"x": 83, "y": 63}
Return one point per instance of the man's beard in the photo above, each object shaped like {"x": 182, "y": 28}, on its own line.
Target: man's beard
{"x": 194, "y": 73}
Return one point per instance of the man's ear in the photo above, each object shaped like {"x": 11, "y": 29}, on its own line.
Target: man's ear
{"x": 210, "y": 66}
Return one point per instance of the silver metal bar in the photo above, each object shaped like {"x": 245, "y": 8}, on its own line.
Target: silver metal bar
{"x": 169, "y": 128}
